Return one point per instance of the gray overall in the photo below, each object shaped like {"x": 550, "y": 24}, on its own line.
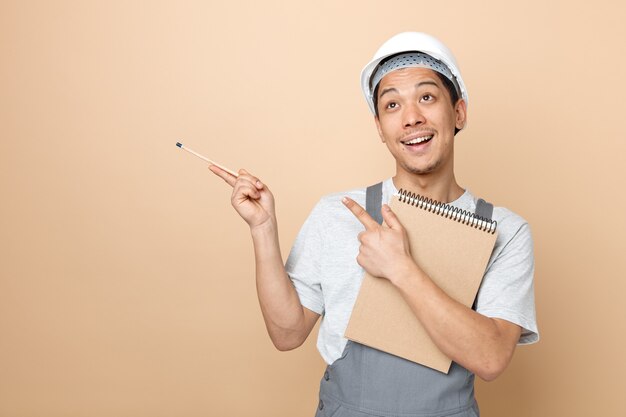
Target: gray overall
{"x": 368, "y": 382}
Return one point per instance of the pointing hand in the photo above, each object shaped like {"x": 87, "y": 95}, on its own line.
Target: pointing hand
{"x": 251, "y": 198}
{"x": 384, "y": 250}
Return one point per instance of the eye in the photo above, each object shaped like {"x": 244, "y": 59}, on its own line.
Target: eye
{"x": 391, "y": 105}
{"x": 427, "y": 97}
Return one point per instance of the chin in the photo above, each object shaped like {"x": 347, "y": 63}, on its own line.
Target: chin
{"x": 422, "y": 170}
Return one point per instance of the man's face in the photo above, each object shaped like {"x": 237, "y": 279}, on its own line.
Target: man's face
{"x": 416, "y": 120}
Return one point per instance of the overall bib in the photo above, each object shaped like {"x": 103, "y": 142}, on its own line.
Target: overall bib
{"x": 366, "y": 382}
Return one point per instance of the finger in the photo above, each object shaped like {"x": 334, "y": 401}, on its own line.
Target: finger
{"x": 390, "y": 218}
{"x": 360, "y": 213}
{"x": 254, "y": 180}
{"x": 226, "y": 176}
{"x": 359, "y": 260}
{"x": 244, "y": 190}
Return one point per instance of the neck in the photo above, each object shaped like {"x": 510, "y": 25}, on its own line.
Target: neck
{"x": 440, "y": 187}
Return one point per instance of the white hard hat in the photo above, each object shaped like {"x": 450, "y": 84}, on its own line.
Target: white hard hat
{"x": 411, "y": 42}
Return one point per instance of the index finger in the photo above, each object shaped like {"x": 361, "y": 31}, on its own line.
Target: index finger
{"x": 225, "y": 175}
{"x": 361, "y": 214}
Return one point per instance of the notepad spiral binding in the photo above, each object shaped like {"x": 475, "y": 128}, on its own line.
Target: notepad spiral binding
{"x": 448, "y": 211}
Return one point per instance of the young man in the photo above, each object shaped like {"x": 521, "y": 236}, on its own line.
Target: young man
{"x": 419, "y": 101}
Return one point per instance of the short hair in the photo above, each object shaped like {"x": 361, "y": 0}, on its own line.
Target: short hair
{"x": 454, "y": 95}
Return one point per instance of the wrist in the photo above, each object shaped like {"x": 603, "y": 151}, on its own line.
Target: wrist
{"x": 408, "y": 273}
{"x": 268, "y": 227}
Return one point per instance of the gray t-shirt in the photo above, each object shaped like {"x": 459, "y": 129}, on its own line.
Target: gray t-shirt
{"x": 322, "y": 265}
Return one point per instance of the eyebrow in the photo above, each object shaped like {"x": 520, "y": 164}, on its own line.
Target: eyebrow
{"x": 418, "y": 85}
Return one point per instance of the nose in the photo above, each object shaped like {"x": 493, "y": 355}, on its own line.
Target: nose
{"x": 413, "y": 116}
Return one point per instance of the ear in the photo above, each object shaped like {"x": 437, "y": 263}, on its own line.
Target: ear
{"x": 380, "y": 130}
{"x": 460, "y": 111}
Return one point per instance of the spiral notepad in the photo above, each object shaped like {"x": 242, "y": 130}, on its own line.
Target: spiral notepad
{"x": 453, "y": 247}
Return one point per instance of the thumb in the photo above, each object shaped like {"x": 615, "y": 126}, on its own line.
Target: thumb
{"x": 390, "y": 218}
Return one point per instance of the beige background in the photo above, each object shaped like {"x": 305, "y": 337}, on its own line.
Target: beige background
{"x": 127, "y": 283}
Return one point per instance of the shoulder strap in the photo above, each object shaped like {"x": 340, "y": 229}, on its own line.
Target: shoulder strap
{"x": 484, "y": 209}
{"x": 374, "y": 201}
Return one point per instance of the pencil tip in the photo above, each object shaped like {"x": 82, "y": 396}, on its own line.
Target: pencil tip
{"x": 180, "y": 145}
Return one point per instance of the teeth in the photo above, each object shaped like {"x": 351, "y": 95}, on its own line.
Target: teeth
{"x": 418, "y": 140}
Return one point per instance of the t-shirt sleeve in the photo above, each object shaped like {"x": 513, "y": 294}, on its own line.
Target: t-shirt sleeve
{"x": 303, "y": 263}
{"x": 507, "y": 289}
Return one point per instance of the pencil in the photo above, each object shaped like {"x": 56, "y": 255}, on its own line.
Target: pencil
{"x": 204, "y": 158}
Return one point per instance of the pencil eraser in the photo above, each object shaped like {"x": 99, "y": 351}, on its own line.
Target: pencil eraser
{"x": 180, "y": 145}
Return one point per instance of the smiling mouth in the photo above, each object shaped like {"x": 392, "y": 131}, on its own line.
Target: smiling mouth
{"x": 417, "y": 141}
